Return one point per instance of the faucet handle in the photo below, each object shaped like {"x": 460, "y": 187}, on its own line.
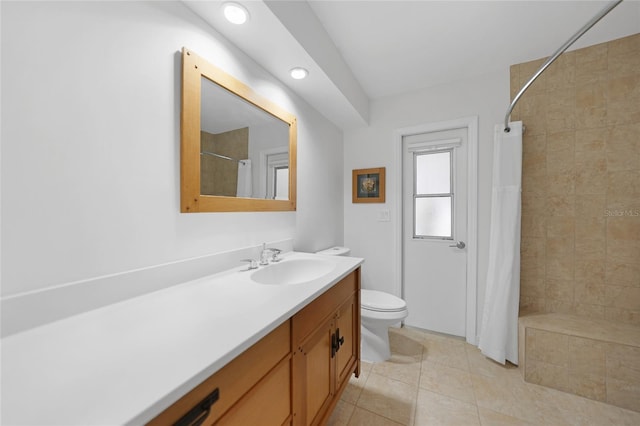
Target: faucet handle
{"x": 253, "y": 264}
{"x": 274, "y": 255}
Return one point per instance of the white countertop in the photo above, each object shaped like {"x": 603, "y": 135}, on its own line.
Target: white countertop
{"x": 125, "y": 363}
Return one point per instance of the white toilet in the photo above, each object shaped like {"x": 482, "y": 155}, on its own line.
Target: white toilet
{"x": 378, "y": 311}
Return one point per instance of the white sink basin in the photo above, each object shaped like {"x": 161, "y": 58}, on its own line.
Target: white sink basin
{"x": 293, "y": 271}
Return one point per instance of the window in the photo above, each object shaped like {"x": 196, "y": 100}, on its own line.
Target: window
{"x": 433, "y": 194}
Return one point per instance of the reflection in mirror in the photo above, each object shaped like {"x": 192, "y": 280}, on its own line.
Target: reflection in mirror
{"x": 238, "y": 149}
{"x": 244, "y": 150}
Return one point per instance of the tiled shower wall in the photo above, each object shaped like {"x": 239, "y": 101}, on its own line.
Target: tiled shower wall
{"x": 580, "y": 251}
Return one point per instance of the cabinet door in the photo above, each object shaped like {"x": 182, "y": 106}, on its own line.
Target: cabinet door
{"x": 267, "y": 404}
{"x": 314, "y": 372}
{"x": 348, "y": 336}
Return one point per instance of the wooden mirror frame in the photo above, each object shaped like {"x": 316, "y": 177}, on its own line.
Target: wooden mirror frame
{"x": 191, "y": 201}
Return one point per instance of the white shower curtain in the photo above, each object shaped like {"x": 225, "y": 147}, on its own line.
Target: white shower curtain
{"x": 499, "y": 330}
{"x": 244, "y": 179}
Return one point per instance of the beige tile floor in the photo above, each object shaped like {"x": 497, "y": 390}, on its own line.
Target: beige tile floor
{"x": 438, "y": 380}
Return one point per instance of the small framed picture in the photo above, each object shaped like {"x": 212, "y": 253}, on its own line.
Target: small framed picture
{"x": 368, "y": 185}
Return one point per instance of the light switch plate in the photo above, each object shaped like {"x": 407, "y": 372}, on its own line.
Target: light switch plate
{"x": 383, "y": 216}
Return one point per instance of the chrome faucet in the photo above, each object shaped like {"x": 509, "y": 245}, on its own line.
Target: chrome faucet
{"x": 269, "y": 251}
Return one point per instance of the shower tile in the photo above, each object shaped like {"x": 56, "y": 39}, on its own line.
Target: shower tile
{"x": 527, "y": 70}
{"x": 592, "y": 205}
{"x": 623, "y": 376}
{"x": 561, "y": 290}
{"x": 533, "y": 106}
{"x": 560, "y": 307}
{"x": 591, "y": 64}
{"x": 587, "y": 356}
{"x": 623, "y": 251}
{"x": 451, "y": 382}
{"x": 532, "y": 287}
{"x": 545, "y": 374}
{"x": 621, "y": 315}
{"x": 590, "y": 311}
{"x": 591, "y": 105}
{"x": 534, "y": 204}
{"x": 592, "y": 178}
{"x": 627, "y": 274}
{"x": 588, "y": 385}
{"x": 534, "y": 226}
{"x": 560, "y": 205}
{"x": 560, "y": 258}
{"x": 624, "y": 56}
{"x": 625, "y": 46}
{"x": 561, "y": 183}
{"x": 561, "y": 109}
{"x": 547, "y": 346}
{"x": 623, "y": 228}
{"x": 623, "y": 147}
{"x": 531, "y": 305}
{"x": 436, "y": 409}
{"x": 589, "y": 249}
{"x": 562, "y": 72}
{"x": 590, "y": 293}
{"x": 623, "y": 297}
{"x": 625, "y": 182}
{"x": 590, "y": 145}
{"x": 561, "y": 151}
{"x": 564, "y": 226}
{"x": 590, "y": 270}
{"x": 590, "y": 227}
{"x": 624, "y": 100}
{"x": 535, "y": 184}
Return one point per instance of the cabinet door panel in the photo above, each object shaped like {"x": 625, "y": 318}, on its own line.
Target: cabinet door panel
{"x": 316, "y": 382}
{"x": 346, "y": 325}
{"x": 267, "y": 404}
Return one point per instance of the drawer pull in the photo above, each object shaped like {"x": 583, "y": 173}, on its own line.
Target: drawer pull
{"x": 198, "y": 414}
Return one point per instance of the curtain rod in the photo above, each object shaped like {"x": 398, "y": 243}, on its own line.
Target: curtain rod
{"x": 222, "y": 156}
{"x": 553, "y": 57}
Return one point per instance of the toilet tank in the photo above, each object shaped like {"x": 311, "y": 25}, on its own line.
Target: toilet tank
{"x": 335, "y": 251}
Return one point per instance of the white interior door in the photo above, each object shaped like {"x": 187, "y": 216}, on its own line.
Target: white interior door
{"x": 435, "y": 230}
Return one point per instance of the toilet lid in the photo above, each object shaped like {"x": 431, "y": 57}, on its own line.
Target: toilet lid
{"x": 380, "y": 301}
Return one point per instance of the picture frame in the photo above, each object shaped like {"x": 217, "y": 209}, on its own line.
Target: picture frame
{"x": 368, "y": 185}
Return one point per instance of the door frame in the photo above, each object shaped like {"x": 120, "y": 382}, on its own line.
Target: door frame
{"x": 471, "y": 124}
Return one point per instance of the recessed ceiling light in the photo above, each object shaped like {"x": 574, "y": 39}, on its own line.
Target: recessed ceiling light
{"x": 235, "y": 13}
{"x": 298, "y": 73}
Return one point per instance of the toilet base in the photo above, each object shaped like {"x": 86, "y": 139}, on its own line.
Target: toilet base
{"x": 375, "y": 344}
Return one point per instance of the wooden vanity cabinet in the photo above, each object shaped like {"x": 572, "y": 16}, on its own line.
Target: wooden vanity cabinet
{"x": 254, "y": 388}
{"x": 326, "y": 350}
{"x": 293, "y": 376}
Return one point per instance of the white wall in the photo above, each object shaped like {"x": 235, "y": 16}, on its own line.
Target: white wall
{"x": 486, "y": 97}
{"x": 90, "y": 145}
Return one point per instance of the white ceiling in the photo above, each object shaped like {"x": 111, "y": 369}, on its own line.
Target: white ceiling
{"x": 358, "y": 51}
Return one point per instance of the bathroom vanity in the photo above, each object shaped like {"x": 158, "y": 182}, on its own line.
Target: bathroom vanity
{"x": 227, "y": 347}
{"x": 294, "y": 375}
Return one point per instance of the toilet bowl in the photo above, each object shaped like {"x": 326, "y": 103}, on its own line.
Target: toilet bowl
{"x": 378, "y": 311}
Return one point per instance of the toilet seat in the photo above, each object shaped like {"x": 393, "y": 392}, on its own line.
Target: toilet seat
{"x": 379, "y": 301}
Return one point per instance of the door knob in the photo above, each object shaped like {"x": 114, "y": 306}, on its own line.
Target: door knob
{"x": 459, "y": 244}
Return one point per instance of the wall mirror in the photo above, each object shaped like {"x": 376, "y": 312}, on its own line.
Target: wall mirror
{"x": 238, "y": 149}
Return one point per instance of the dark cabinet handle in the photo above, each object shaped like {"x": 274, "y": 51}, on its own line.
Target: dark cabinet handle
{"x": 334, "y": 345}
{"x": 339, "y": 339}
{"x": 198, "y": 414}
